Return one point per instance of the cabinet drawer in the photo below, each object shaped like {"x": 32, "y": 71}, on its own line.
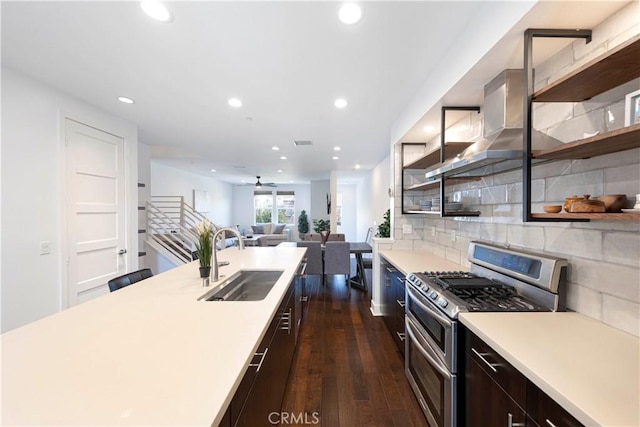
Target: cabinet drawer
{"x": 501, "y": 371}
{"x": 545, "y": 412}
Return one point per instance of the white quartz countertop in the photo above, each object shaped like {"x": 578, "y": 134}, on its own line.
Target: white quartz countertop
{"x": 148, "y": 354}
{"x": 412, "y": 261}
{"x": 592, "y": 370}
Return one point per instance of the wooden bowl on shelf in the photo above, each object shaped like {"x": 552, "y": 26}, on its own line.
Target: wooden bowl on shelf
{"x": 552, "y": 208}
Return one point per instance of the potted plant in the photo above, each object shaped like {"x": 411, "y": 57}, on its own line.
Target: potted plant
{"x": 320, "y": 225}
{"x": 204, "y": 246}
{"x": 303, "y": 224}
{"x": 384, "y": 229}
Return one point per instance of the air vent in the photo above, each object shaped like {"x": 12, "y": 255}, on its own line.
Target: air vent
{"x": 302, "y": 143}
{"x": 239, "y": 167}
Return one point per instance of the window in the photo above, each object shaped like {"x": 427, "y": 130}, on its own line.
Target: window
{"x": 286, "y": 207}
{"x": 262, "y": 206}
{"x": 268, "y": 205}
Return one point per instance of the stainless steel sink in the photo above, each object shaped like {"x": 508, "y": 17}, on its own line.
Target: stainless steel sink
{"x": 245, "y": 285}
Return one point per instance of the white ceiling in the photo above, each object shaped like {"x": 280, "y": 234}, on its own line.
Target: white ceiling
{"x": 286, "y": 61}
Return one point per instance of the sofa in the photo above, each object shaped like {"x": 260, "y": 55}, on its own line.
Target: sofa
{"x": 274, "y": 234}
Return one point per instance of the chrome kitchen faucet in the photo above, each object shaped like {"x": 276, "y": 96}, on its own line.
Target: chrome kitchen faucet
{"x": 214, "y": 254}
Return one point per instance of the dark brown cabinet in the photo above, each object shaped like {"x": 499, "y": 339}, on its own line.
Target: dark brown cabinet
{"x": 393, "y": 290}
{"x": 497, "y": 394}
{"x": 262, "y": 388}
{"x": 545, "y": 412}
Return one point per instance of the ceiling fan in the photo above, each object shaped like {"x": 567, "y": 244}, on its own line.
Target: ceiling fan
{"x": 259, "y": 184}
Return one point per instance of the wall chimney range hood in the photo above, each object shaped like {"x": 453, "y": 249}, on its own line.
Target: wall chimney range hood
{"x": 502, "y": 146}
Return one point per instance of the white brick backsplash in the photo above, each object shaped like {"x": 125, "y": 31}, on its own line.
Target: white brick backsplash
{"x": 621, "y": 314}
{"x": 494, "y": 195}
{"x": 618, "y": 280}
{"x": 584, "y": 300}
{"x": 514, "y": 191}
{"x": 531, "y": 238}
{"x": 544, "y": 170}
{"x": 576, "y": 242}
{"x": 452, "y": 254}
{"x": 622, "y": 180}
{"x": 613, "y": 160}
{"x": 561, "y": 187}
{"x": 622, "y": 248}
{"x": 549, "y": 114}
{"x": 577, "y": 127}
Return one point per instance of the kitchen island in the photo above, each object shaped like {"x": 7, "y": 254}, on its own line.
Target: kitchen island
{"x": 148, "y": 354}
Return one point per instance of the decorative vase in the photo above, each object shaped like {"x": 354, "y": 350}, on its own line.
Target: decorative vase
{"x": 204, "y": 272}
{"x": 324, "y": 236}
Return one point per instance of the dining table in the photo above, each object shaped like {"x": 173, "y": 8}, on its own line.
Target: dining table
{"x": 359, "y": 281}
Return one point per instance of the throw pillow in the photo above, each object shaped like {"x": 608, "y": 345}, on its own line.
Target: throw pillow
{"x": 258, "y": 229}
{"x": 278, "y": 228}
{"x": 267, "y": 228}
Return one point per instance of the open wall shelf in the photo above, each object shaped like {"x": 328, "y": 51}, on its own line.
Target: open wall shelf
{"x": 627, "y": 216}
{"x": 623, "y": 139}
{"x": 610, "y": 70}
{"x": 613, "y": 68}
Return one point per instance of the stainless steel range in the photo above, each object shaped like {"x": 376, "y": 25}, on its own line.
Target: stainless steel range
{"x": 500, "y": 279}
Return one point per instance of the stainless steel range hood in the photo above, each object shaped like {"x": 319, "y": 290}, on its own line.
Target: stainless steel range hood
{"x": 502, "y": 146}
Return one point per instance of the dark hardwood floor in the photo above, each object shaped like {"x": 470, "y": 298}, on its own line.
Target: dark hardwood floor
{"x": 346, "y": 370}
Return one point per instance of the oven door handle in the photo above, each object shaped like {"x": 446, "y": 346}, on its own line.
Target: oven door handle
{"x": 441, "y": 319}
{"x": 433, "y": 360}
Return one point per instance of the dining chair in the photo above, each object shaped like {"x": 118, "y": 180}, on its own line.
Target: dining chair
{"x": 336, "y": 237}
{"x": 129, "y": 279}
{"x": 313, "y": 258}
{"x": 337, "y": 260}
{"x": 367, "y": 259}
{"x": 312, "y": 237}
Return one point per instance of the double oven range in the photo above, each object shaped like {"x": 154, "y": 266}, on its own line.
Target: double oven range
{"x": 499, "y": 279}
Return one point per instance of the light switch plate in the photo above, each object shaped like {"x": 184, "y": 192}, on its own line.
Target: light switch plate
{"x": 45, "y": 247}
{"x": 406, "y": 228}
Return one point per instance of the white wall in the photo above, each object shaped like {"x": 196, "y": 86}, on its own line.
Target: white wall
{"x": 169, "y": 181}
{"x": 243, "y": 214}
{"x": 318, "y": 207}
{"x": 33, "y": 193}
{"x": 350, "y": 208}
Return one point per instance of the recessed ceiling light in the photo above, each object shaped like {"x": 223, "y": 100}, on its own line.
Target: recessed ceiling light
{"x": 428, "y": 129}
{"x": 350, "y": 13}
{"x": 126, "y": 100}
{"x": 235, "y": 102}
{"x": 335, "y": 157}
{"x": 340, "y": 103}
{"x": 283, "y": 157}
{"x": 213, "y": 170}
{"x": 279, "y": 170}
{"x": 156, "y": 10}
{"x": 336, "y": 148}
{"x": 274, "y": 148}
{"x": 357, "y": 165}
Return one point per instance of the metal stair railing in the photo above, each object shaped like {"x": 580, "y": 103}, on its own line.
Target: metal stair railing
{"x": 168, "y": 234}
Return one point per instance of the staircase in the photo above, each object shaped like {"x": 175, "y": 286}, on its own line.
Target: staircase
{"x": 171, "y": 225}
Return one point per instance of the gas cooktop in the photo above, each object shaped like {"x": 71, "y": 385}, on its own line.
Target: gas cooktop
{"x": 456, "y": 291}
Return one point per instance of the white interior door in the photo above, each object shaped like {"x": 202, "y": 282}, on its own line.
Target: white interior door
{"x": 95, "y": 211}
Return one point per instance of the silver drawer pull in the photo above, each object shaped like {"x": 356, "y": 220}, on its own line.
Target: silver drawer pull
{"x": 259, "y": 365}
{"x": 549, "y": 423}
{"x": 400, "y": 335}
{"x": 401, "y": 279}
{"x": 400, "y": 303}
{"x": 491, "y": 365}
{"x": 510, "y": 422}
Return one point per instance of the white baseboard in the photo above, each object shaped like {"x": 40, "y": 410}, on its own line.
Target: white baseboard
{"x": 376, "y": 309}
